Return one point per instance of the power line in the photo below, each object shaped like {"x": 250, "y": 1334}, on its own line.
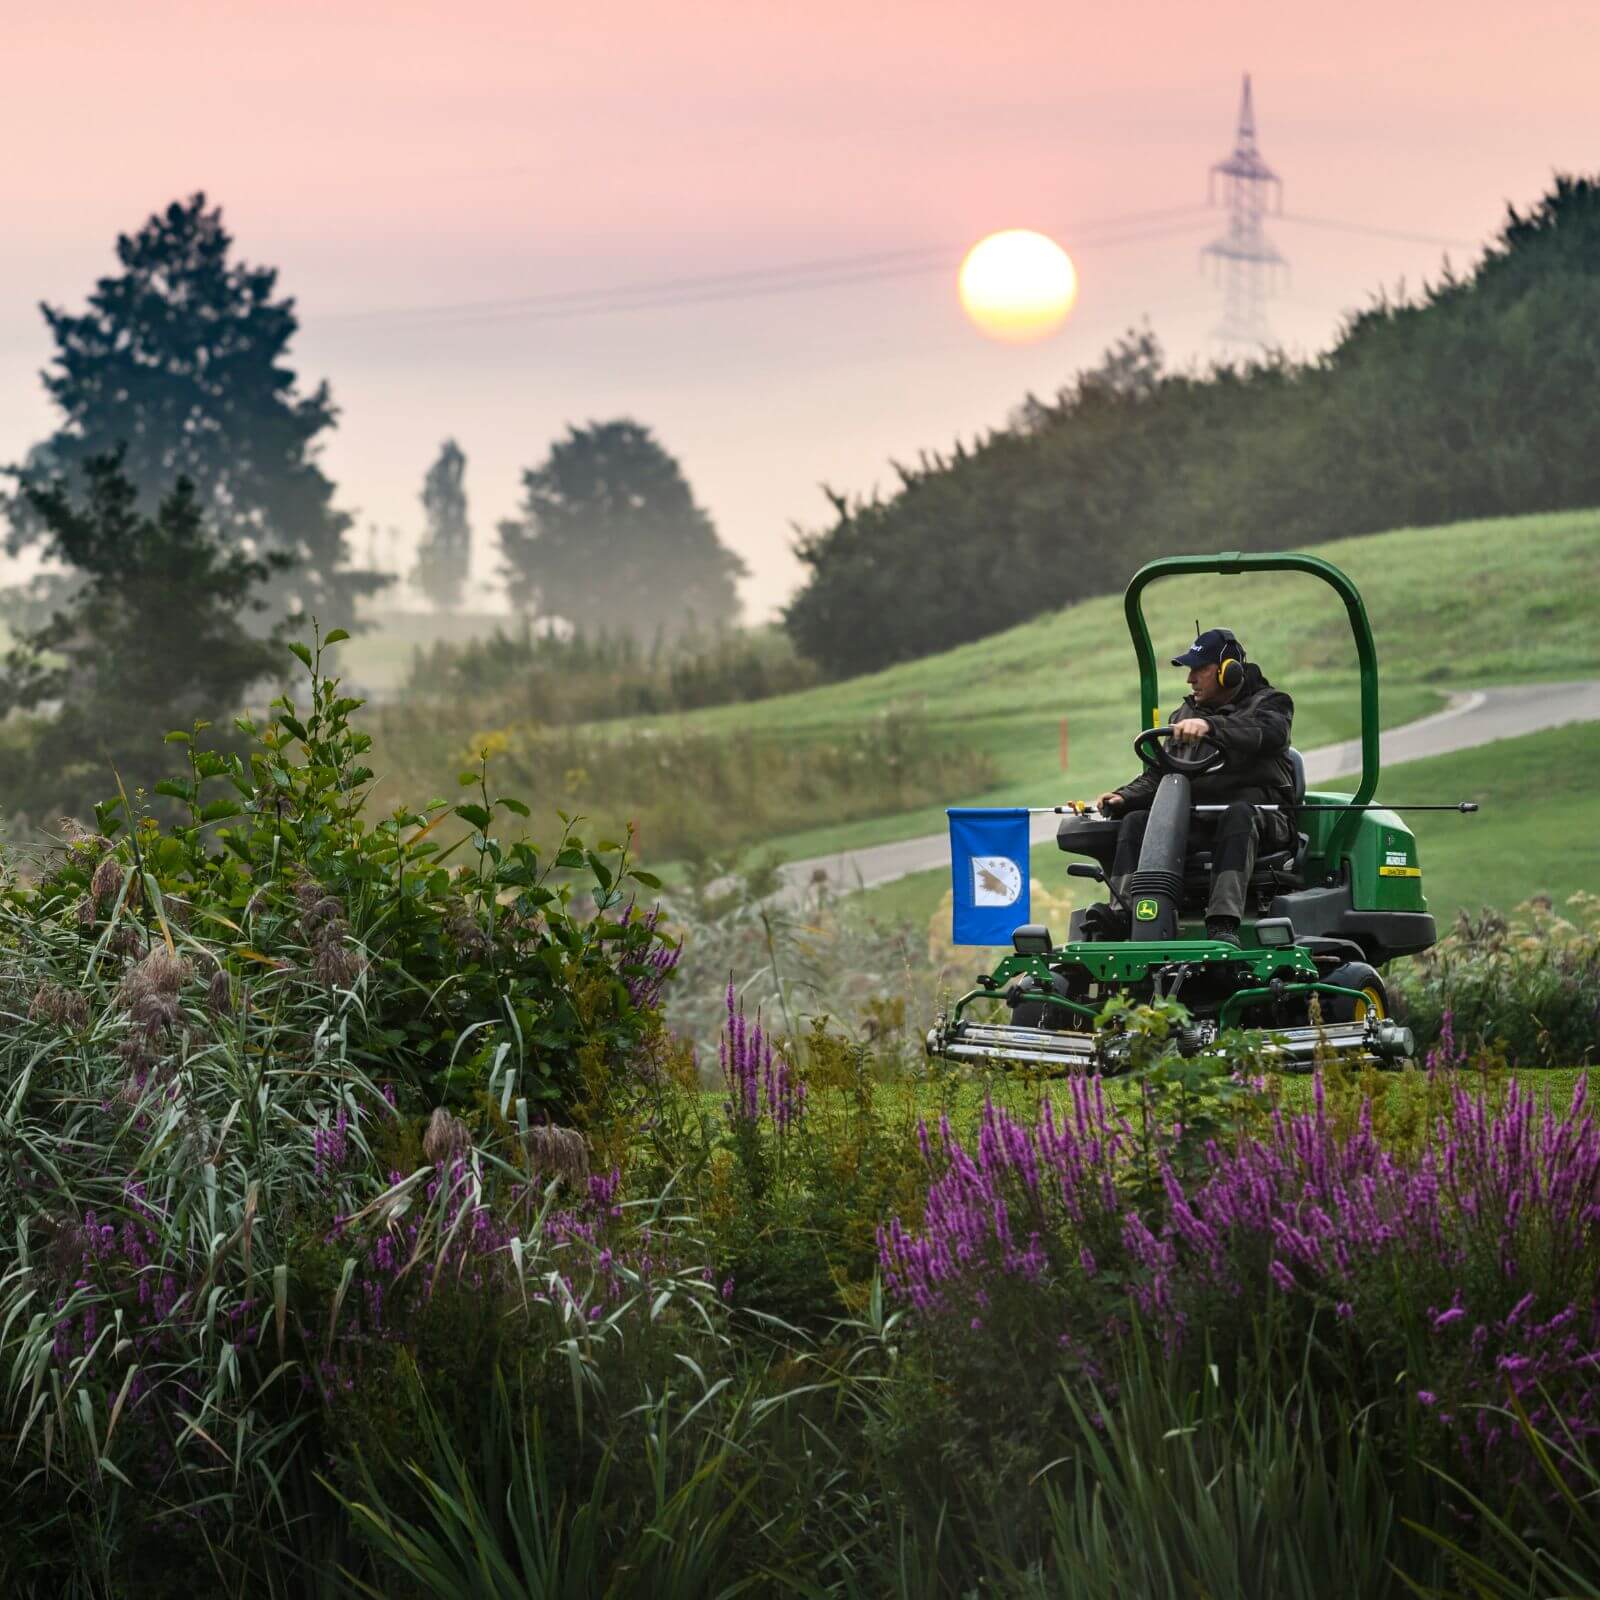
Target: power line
{"x": 763, "y": 289}
{"x": 1376, "y": 233}
{"x": 800, "y": 277}
{"x": 824, "y": 272}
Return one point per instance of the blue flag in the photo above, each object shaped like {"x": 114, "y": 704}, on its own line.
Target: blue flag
{"x": 988, "y": 872}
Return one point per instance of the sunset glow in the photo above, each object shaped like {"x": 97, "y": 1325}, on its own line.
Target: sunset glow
{"x": 1018, "y": 286}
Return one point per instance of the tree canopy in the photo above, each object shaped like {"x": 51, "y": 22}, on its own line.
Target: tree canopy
{"x": 180, "y": 361}
{"x": 445, "y": 554}
{"x": 610, "y": 537}
{"x": 152, "y": 638}
{"x": 1460, "y": 402}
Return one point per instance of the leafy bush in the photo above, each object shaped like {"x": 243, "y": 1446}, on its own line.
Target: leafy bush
{"x": 280, "y": 1102}
{"x": 1527, "y": 986}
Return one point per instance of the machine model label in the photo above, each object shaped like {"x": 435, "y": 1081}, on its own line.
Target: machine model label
{"x": 1399, "y": 872}
{"x": 1146, "y": 910}
{"x": 996, "y": 881}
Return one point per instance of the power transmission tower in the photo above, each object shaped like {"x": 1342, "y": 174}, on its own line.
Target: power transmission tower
{"x": 1246, "y": 261}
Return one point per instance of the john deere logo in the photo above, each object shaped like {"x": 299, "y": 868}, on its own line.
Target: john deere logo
{"x": 1145, "y": 910}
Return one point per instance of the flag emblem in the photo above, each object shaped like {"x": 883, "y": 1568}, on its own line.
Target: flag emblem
{"x": 989, "y": 888}
{"x": 996, "y": 881}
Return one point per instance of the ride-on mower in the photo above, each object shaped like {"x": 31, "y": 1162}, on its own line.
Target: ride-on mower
{"x": 1323, "y": 916}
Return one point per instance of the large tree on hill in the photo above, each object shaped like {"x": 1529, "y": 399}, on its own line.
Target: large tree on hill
{"x": 152, "y": 638}
{"x": 610, "y": 537}
{"x": 445, "y": 554}
{"x": 179, "y": 361}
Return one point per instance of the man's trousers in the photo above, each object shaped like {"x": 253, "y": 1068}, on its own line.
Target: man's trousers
{"x": 1235, "y": 837}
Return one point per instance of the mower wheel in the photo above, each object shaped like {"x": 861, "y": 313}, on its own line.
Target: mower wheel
{"x": 1355, "y": 975}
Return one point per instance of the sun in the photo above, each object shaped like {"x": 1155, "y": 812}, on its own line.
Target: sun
{"x": 1018, "y": 285}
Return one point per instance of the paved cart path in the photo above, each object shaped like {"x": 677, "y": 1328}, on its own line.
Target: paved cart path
{"x": 1475, "y": 717}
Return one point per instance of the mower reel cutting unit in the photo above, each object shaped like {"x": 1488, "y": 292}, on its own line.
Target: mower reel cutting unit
{"x": 1324, "y": 914}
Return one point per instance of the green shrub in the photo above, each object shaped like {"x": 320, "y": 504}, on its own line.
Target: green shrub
{"x": 1526, "y": 986}
{"x": 280, "y": 1090}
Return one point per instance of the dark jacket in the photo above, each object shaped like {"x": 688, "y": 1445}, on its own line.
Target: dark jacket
{"x": 1253, "y": 728}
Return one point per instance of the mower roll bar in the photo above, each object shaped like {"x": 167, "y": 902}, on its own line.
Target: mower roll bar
{"x": 1232, "y": 563}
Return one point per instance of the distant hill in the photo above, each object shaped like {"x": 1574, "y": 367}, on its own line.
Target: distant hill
{"x": 1472, "y": 399}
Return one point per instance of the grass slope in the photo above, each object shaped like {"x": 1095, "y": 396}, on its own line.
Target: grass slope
{"x": 1536, "y": 833}
{"x": 1452, "y": 607}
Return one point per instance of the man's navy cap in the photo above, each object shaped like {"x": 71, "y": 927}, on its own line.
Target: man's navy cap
{"x": 1207, "y": 650}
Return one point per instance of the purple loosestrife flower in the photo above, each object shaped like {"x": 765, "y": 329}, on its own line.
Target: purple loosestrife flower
{"x": 660, "y": 962}
{"x": 1493, "y": 1217}
{"x": 757, "y": 1077}
{"x": 331, "y": 1146}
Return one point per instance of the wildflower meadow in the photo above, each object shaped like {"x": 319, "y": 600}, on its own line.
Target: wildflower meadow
{"x": 391, "y": 1207}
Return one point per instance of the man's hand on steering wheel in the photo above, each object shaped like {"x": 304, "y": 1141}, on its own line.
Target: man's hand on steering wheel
{"x": 1173, "y": 748}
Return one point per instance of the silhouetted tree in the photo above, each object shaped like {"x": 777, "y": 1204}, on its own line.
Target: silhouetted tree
{"x": 445, "y": 554}
{"x": 180, "y": 361}
{"x": 152, "y": 638}
{"x": 610, "y": 536}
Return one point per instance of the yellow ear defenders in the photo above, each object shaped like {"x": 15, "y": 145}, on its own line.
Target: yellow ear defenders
{"x": 1230, "y": 664}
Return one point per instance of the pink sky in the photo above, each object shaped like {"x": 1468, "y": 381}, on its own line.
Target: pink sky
{"x": 410, "y": 154}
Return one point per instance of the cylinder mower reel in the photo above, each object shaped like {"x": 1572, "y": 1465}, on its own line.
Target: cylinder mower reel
{"x": 1325, "y": 911}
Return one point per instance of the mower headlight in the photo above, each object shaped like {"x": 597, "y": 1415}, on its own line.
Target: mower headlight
{"x": 1032, "y": 939}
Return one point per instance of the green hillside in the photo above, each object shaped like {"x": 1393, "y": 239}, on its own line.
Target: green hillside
{"x": 1451, "y": 608}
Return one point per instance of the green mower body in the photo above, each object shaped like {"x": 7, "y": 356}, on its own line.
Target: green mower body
{"x": 1324, "y": 916}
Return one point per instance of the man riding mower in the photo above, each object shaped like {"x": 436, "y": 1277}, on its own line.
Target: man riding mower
{"x": 1231, "y": 704}
{"x": 1252, "y": 902}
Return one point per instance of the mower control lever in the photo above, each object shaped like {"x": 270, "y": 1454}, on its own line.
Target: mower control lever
{"x": 1090, "y": 869}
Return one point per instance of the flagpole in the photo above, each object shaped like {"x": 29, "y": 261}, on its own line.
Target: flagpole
{"x": 1464, "y": 806}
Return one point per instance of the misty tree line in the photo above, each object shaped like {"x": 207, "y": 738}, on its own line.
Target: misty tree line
{"x": 180, "y": 362}
{"x": 188, "y": 524}
{"x": 184, "y": 429}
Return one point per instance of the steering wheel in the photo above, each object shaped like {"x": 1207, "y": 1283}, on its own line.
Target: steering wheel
{"x": 1169, "y": 756}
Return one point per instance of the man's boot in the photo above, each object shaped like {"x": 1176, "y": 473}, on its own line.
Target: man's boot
{"x": 1225, "y": 930}
{"x": 1106, "y": 922}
